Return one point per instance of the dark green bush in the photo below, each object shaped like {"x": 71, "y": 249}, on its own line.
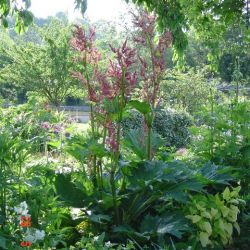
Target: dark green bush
{"x": 170, "y": 124}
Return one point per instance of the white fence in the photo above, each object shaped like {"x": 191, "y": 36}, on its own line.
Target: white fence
{"x": 81, "y": 113}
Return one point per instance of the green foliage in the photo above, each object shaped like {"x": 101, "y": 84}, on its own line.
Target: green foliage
{"x": 187, "y": 90}
{"x": 209, "y": 19}
{"x": 171, "y": 125}
{"x": 23, "y": 17}
{"x": 18, "y": 9}
{"x": 81, "y": 5}
{"x": 25, "y": 121}
{"x": 235, "y": 50}
{"x": 68, "y": 192}
{"x": 124, "y": 184}
{"x": 224, "y": 138}
{"x": 13, "y": 154}
{"x": 215, "y": 217}
{"x": 172, "y": 224}
{"x": 43, "y": 68}
{"x": 97, "y": 243}
{"x": 149, "y": 206}
{"x": 155, "y": 185}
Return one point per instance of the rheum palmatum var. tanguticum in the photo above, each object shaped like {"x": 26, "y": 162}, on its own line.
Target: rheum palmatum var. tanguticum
{"x": 152, "y": 67}
{"x": 108, "y": 93}
{"x": 122, "y": 79}
{"x": 116, "y": 87}
{"x": 87, "y": 60}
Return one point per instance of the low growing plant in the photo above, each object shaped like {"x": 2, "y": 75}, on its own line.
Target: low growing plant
{"x": 215, "y": 217}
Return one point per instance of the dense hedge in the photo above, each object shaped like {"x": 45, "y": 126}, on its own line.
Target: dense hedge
{"x": 172, "y": 125}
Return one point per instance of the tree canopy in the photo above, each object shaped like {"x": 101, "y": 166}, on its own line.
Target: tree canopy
{"x": 43, "y": 68}
{"x": 209, "y": 18}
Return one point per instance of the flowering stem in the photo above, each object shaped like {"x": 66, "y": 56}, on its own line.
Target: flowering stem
{"x": 93, "y": 170}
{"x": 100, "y": 161}
{"x": 46, "y": 149}
{"x": 151, "y": 47}
{"x": 93, "y": 134}
{"x": 3, "y": 193}
{"x": 152, "y": 99}
{"x": 149, "y": 143}
{"x": 117, "y": 152}
{"x": 100, "y": 175}
{"x": 212, "y": 124}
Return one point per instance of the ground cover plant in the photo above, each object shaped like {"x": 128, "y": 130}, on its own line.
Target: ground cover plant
{"x": 164, "y": 160}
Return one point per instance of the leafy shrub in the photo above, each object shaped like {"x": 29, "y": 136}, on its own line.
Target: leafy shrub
{"x": 171, "y": 125}
{"x": 33, "y": 123}
{"x": 225, "y": 137}
{"x": 145, "y": 213}
{"x": 186, "y": 90}
{"x": 215, "y": 216}
{"x": 97, "y": 242}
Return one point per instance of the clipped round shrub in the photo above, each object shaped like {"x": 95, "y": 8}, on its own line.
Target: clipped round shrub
{"x": 170, "y": 124}
{"x": 133, "y": 121}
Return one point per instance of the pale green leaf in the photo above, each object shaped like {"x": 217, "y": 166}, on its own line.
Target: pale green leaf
{"x": 226, "y": 194}
{"x": 204, "y": 239}
{"x": 194, "y": 218}
{"x": 237, "y": 227}
{"x": 225, "y": 211}
{"x": 207, "y": 227}
{"x": 214, "y": 212}
{"x": 228, "y": 228}
{"x": 206, "y": 215}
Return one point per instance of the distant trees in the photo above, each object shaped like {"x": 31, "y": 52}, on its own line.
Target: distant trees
{"x": 235, "y": 52}
{"x": 43, "y": 68}
{"x": 187, "y": 90}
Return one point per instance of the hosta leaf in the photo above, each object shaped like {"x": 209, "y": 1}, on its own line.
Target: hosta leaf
{"x": 221, "y": 225}
{"x": 233, "y": 212}
{"x": 235, "y": 192}
{"x": 234, "y": 201}
{"x": 200, "y": 206}
{"x": 214, "y": 212}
